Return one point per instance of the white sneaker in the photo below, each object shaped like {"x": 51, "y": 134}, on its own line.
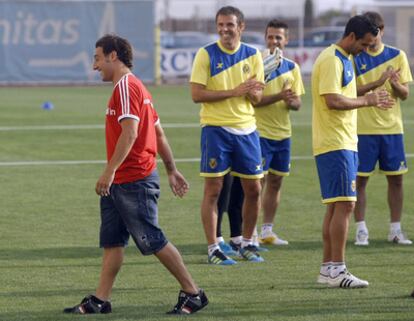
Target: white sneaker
{"x": 399, "y": 237}
{"x": 272, "y": 238}
{"x": 361, "y": 238}
{"x": 322, "y": 279}
{"x": 347, "y": 281}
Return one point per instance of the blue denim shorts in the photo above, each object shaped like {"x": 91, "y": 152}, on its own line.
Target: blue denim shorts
{"x": 131, "y": 209}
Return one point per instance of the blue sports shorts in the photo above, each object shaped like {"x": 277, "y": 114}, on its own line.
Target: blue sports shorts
{"x": 223, "y": 152}
{"x": 337, "y": 175}
{"x": 275, "y": 156}
{"x": 131, "y": 209}
{"x": 387, "y": 150}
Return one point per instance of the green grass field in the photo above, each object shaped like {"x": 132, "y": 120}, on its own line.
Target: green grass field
{"x": 49, "y": 224}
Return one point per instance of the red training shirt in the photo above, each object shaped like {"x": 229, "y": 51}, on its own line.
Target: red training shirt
{"x": 130, "y": 99}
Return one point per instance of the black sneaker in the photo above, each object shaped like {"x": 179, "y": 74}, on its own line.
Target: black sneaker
{"x": 90, "y": 304}
{"x": 189, "y": 303}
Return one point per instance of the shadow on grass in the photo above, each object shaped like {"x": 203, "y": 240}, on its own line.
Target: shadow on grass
{"x": 186, "y": 249}
{"x": 50, "y": 253}
{"x": 76, "y": 252}
{"x": 201, "y": 249}
{"x": 327, "y": 309}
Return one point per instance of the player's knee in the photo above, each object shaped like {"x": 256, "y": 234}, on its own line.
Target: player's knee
{"x": 253, "y": 192}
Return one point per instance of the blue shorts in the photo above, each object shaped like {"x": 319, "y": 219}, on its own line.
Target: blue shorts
{"x": 387, "y": 150}
{"x": 222, "y": 152}
{"x": 337, "y": 175}
{"x": 275, "y": 156}
{"x": 131, "y": 209}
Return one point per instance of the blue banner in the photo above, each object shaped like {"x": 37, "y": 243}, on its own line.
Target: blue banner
{"x": 54, "y": 41}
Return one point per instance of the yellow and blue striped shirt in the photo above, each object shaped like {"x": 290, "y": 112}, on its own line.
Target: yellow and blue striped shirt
{"x": 220, "y": 69}
{"x": 369, "y": 68}
{"x": 273, "y": 121}
{"x": 333, "y": 73}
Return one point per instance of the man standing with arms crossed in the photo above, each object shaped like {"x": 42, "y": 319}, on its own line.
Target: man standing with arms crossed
{"x": 334, "y": 104}
{"x": 282, "y": 93}
{"x": 227, "y": 77}
{"x": 380, "y": 133}
{"x": 129, "y": 184}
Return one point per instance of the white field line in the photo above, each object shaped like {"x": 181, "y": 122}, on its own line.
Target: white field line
{"x": 87, "y": 127}
{"x": 101, "y": 126}
{"x": 92, "y": 162}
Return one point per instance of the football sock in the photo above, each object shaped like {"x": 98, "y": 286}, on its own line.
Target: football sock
{"x": 212, "y": 248}
{"x": 361, "y": 225}
{"x": 325, "y": 268}
{"x": 246, "y": 242}
{"x": 237, "y": 239}
{"x": 336, "y": 268}
{"x": 395, "y": 226}
{"x": 267, "y": 228}
{"x": 220, "y": 239}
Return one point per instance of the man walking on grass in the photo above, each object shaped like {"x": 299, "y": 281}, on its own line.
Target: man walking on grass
{"x": 129, "y": 184}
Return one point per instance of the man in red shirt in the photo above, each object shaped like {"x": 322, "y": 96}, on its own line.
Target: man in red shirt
{"x": 129, "y": 184}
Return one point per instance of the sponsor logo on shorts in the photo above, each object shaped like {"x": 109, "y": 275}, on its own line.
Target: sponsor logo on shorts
{"x": 403, "y": 166}
{"x": 353, "y": 186}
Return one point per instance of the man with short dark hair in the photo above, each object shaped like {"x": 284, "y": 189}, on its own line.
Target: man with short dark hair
{"x": 380, "y": 133}
{"x": 129, "y": 185}
{"x": 282, "y": 93}
{"x": 227, "y": 77}
{"x": 334, "y": 136}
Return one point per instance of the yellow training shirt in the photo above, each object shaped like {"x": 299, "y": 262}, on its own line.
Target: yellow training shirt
{"x": 333, "y": 73}
{"x": 369, "y": 68}
{"x": 273, "y": 121}
{"x": 220, "y": 69}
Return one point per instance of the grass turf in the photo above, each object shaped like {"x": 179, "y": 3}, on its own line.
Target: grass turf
{"x": 49, "y": 225}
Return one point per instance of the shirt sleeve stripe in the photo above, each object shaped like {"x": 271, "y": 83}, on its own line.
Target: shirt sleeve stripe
{"x": 124, "y": 95}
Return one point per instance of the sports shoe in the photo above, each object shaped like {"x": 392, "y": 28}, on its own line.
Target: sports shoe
{"x": 189, "y": 304}
{"x": 272, "y": 238}
{"x": 322, "y": 279}
{"x": 90, "y": 304}
{"x": 399, "y": 237}
{"x": 361, "y": 237}
{"x": 250, "y": 254}
{"x": 218, "y": 258}
{"x": 227, "y": 249}
{"x": 346, "y": 280}
{"x": 261, "y": 248}
{"x": 236, "y": 247}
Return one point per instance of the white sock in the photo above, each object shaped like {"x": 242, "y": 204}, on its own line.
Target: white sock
{"x": 396, "y": 226}
{"x": 212, "y": 248}
{"x": 220, "y": 239}
{"x": 267, "y": 228}
{"x": 325, "y": 268}
{"x": 361, "y": 226}
{"x": 237, "y": 239}
{"x": 336, "y": 268}
{"x": 246, "y": 242}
